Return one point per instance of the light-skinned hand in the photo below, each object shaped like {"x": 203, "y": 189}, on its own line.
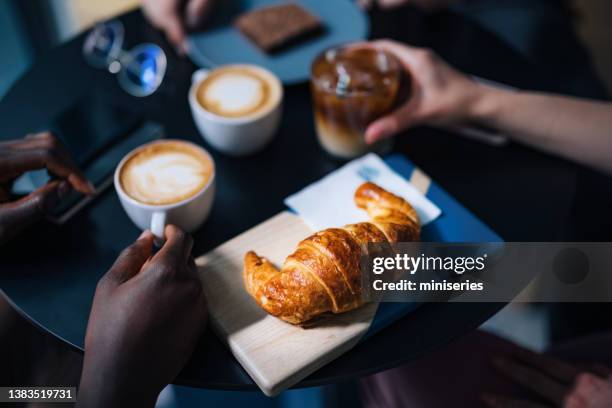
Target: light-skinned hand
{"x": 428, "y": 5}
{"x": 177, "y": 17}
{"x": 440, "y": 95}
{"x": 554, "y": 381}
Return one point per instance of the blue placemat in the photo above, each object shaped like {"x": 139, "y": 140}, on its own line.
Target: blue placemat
{"x": 456, "y": 224}
{"x": 222, "y": 44}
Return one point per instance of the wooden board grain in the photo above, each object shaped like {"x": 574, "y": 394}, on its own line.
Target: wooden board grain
{"x": 276, "y": 354}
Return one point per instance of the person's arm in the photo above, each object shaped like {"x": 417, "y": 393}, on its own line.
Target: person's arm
{"x": 147, "y": 316}
{"x": 576, "y": 129}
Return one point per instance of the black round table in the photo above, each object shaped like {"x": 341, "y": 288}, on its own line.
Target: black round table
{"x": 49, "y": 273}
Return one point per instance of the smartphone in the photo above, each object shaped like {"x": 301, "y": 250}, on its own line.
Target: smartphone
{"x": 97, "y": 134}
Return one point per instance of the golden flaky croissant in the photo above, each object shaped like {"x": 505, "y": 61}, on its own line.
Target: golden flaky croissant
{"x": 323, "y": 274}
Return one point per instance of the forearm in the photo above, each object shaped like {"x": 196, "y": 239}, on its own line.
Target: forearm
{"x": 573, "y": 128}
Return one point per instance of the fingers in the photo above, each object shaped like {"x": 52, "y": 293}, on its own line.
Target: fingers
{"x": 175, "y": 31}
{"x": 554, "y": 367}
{"x": 391, "y": 124}
{"x": 414, "y": 60}
{"x": 167, "y": 15}
{"x": 597, "y": 369}
{"x": 43, "y": 150}
{"x": 383, "y": 4}
{"x": 57, "y": 160}
{"x": 44, "y": 199}
{"x": 551, "y": 378}
{"x": 196, "y": 12}
{"x": 587, "y": 389}
{"x": 419, "y": 62}
{"x": 365, "y": 4}
{"x": 439, "y": 95}
{"x": 177, "y": 248}
{"x": 587, "y": 383}
{"x": 390, "y": 4}
{"x": 498, "y": 401}
{"x": 575, "y": 401}
{"x": 15, "y": 216}
{"x": 531, "y": 379}
{"x": 409, "y": 56}
{"x": 131, "y": 260}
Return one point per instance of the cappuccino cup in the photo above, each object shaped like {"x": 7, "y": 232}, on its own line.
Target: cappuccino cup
{"x": 236, "y": 108}
{"x": 166, "y": 182}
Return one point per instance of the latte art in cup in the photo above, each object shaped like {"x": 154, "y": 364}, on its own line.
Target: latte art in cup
{"x": 237, "y": 92}
{"x": 165, "y": 173}
{"x": 236, "y": 108}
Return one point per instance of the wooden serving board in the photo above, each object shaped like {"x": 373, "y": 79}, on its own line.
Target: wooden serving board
{"x": 276, "y": 354}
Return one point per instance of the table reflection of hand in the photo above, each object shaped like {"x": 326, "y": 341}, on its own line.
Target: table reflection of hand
{"x": 37, "y": 151}
{"x": 176, "y": 17}
{"x": 147, "y": 315}
{"x": 554, "y": 381}
{"x": 440, "y": 95}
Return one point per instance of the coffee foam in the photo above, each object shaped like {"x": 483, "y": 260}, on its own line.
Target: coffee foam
{"x": 235, "y": 92}
{"x": 165, "y": 173}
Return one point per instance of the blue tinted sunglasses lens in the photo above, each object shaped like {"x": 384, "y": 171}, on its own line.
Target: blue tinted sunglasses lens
{"x": 143, "y": 69}
{"x": 103, "y": 44}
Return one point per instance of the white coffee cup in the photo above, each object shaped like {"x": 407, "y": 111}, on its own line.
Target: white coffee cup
{"x": 188, "y": 214}
{"x": 237, "y": 136}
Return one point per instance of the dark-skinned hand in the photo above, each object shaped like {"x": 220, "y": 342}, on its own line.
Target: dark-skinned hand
{"x": 147, "y": 315}
{"x": 34, "y": 152}
{"x": 556, "y": 382}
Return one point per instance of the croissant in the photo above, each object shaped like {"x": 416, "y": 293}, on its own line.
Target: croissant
{"x": 323, "y": 274}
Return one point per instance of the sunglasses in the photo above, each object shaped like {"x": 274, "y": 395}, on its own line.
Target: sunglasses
{"x": 140, "y": 71}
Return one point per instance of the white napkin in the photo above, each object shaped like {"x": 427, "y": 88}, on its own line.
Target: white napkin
{"x": 329, "y": 201}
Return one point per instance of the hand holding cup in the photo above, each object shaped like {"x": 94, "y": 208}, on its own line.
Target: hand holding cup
{"x": 147, "y": 315}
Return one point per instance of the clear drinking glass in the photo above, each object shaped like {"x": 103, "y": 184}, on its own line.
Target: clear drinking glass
{"x": 353, "y": 85}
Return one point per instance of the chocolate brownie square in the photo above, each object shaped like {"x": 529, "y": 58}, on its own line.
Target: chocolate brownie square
{"x": 275, "y": 27}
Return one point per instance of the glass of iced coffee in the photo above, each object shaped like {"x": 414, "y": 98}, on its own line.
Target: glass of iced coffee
{"x": 353, "y": 85}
